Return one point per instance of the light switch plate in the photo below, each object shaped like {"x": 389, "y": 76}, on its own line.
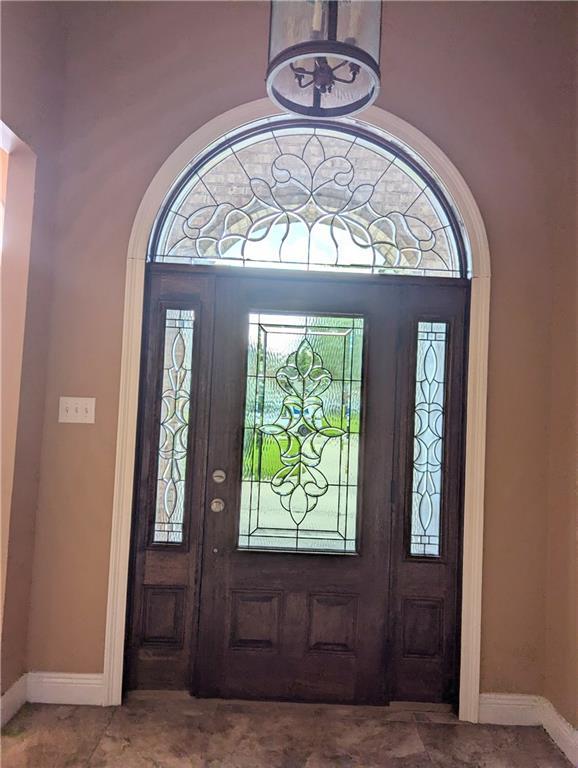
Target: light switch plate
{"x": 76, "y": 410}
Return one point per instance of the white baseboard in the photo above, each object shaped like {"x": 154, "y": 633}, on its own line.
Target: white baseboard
{"x": 518, "y": 709}
{"x": 52, "y": 688}
{"x": 13, "y": 699}
{"x": 561, "y": 732}
{"x": 60, "y": 688}
{"x": 510, "y": 709}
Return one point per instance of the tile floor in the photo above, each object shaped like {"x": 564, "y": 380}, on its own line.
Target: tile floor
{"x": 174, "y": 731}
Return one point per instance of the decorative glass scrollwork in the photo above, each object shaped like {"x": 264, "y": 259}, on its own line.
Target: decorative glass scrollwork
{"x": 174, "y": 426}
{"x": 301, "y": 433}
{"x": 309, "y": 198}
{"x": 428, "y": 439}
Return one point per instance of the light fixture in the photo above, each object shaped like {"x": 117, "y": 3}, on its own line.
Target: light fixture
{"x": 324, "y": 55}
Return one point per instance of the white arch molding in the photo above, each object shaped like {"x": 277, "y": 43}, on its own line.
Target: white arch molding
{"x": 479, "y": 257}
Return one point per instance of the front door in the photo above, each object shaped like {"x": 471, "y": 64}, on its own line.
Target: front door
{"x": 297, "y": 519}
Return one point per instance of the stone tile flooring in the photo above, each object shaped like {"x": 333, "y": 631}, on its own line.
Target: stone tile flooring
{"x": 176, "y": 731}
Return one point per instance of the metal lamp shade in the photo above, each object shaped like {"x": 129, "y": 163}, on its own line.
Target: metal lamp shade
{"x": 324, "y": 56}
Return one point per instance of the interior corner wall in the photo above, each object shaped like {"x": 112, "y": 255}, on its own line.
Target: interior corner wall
{"x": 480, "y": 80}
{"x": 32, "y": 84}
{"x": 561, "y": 671}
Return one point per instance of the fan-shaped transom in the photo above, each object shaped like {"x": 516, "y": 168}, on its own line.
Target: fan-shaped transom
{"x": 310, "y": 196}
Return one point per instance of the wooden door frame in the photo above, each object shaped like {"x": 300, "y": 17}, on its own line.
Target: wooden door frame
{"x": 479, "y": 271}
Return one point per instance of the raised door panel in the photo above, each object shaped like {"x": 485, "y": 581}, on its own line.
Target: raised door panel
{"x": 422, "y": 628}
{"x": 255, "y": 620}
{"x": 163, "y": 619}
{"x": 332, "y": 623}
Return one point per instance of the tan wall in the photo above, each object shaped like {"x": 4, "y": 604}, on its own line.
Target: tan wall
{"x": 561, "y": 671}
{"x": 31, "y": 105}
{"x": 490, "y": 84}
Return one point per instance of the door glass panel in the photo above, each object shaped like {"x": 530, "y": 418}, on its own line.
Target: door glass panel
{"x": 428, "y": 438}
{"x": 174, "y": 426}
{"x": 301, "y": 433}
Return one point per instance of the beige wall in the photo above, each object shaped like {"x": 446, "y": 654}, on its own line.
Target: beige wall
{"x": 31, "y": 104}
{"x": 561, "y": 670}
{"x": 491, "y": 85}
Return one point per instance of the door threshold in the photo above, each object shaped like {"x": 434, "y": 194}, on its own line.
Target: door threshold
{"x": 154, "y": 694}
{"x": 419, "y": 706}
{"x": 184, "y": 695}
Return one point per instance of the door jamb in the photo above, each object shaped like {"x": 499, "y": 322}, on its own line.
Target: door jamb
{"x": 479, "y": 268}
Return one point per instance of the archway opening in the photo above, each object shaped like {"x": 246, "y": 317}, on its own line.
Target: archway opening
{"x": 313, "y": 411}
{"x": 469, "y": 223}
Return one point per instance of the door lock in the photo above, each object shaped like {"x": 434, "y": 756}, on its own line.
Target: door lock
{"x": 219, "y": 476}
{"x": 217, "y": 505}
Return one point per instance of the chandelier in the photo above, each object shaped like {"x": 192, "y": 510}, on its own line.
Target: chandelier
{"x": 324, "y": 56}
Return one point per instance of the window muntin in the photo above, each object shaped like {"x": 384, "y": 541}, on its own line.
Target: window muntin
{"x": 309, "y": 197}
{"x": 301, "y": 433}
{"x": 430, "y": 382}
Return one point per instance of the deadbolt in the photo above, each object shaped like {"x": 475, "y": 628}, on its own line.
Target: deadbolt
{"x": 217, "y": 505}
{"x": 219, "y": 476}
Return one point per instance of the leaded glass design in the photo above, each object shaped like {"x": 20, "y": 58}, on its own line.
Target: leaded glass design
{"x": 174, "y": 426}
{"x": 301, "y": 433}
{"x": 428, "y": 438}
{"x": 309, "y": 197}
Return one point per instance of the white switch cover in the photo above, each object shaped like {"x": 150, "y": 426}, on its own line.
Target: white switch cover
{"x": 77, "y": 410}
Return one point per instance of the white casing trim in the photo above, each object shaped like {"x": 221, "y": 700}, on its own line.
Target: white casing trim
{"x": 477, "y": 386}
{"x": 13, "y": 700}
{"x": 520, "y": 709}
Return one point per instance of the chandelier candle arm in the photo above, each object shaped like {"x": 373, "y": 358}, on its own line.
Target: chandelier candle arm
{"x": 324, "y": 56}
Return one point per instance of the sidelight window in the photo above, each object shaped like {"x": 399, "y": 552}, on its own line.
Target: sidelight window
{"x": 428, "y": 446}
{"x": 174, "y": 426}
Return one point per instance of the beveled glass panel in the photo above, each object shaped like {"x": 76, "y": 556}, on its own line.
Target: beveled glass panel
{"x": 308, "y": 198}
{"x": 301, "y": 433}
{"x": 174, "y": 426}
{"x": 428, "y": 439}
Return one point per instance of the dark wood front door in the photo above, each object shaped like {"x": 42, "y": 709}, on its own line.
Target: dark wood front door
{"x": 297, "y": 512}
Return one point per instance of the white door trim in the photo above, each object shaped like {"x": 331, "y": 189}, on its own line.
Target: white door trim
{"x": 479, "y": 258}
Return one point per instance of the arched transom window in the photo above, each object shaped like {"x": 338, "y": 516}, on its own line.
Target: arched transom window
{"x": 310, "y": 196}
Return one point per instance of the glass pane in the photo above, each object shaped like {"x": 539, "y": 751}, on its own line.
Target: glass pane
{"x": 174, "y": 426}
{"x": 428, "y": 439}
{"x": 301, "y": 433}
{"x": 308, "y": 198}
